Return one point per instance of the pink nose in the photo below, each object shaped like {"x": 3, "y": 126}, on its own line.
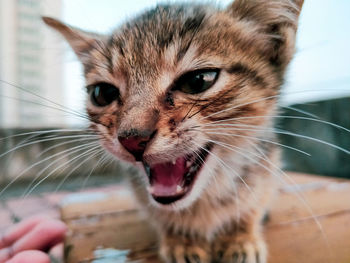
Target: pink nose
{"x": 135, "y": 145}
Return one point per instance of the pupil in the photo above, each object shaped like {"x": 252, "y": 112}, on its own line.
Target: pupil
{"x": 199, "y": 80}
{"x": 104, "y": 94}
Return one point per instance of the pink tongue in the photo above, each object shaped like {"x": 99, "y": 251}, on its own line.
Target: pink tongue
{"x": 167, "y": 176}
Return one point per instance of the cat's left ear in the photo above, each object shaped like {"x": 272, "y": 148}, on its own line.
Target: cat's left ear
{"x": 275, "y": 21}
{"x": 82, "y": 42}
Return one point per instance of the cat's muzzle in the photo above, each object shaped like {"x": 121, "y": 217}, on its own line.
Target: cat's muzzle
{"x": 173, "y": 180}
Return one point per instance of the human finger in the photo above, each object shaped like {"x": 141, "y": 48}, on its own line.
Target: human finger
{"x": 42, "y": 237}
{"x": 30, "y": 256}
{"x": 18, "y": 230}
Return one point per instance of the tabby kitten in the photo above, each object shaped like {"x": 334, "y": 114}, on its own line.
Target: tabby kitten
{"x": 186, "y": 93}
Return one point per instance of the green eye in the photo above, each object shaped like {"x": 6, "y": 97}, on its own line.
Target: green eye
{"x": 103, "y": 94}
{"x": 197, "y": 81}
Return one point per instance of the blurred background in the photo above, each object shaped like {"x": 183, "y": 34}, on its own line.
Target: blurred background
{"x": 34, "y": 60}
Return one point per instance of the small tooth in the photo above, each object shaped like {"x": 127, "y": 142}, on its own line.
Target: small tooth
{"x": 179, "y": 189}
{"x": 174, "y": 162}
{"x": 150, "y": 189}
{"x": 188, "y": 164}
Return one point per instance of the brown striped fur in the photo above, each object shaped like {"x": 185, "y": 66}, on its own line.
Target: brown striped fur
{"x": 251, "y": 42}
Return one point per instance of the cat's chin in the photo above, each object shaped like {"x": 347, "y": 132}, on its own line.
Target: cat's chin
{"x": 170, "y": 182}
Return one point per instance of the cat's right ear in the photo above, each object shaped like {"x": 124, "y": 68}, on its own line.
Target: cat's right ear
{"x": 82, "y": 42}
{"x": 275, "y": 22}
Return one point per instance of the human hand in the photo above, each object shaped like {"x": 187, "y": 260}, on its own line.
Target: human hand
{"x": 27, "y": 241}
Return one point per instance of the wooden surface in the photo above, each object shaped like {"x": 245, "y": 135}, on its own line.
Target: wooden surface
{"x": 308, "y": 223}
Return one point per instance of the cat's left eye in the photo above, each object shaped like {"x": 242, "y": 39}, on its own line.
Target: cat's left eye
{"x": 197, "y": 81}
{"x": 103, "y": 94}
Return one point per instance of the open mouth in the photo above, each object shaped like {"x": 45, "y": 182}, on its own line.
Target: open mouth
{"x": 171, "y": 181}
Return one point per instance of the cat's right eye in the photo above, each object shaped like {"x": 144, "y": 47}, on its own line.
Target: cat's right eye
{"x": 103, "y": 94}
{"x": 197, "y": 81}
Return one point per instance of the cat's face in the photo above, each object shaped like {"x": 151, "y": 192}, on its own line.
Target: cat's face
{"x": 163, "y": 88}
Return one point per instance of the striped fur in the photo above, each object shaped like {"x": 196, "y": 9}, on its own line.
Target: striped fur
{"x": 251, "y": 42}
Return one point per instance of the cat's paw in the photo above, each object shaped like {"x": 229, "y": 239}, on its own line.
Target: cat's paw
{"x": 240, "y": 250}
{"x": 179, "y": 251}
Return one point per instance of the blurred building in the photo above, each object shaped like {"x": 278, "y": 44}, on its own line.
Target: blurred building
{"x": 31, "y": 58}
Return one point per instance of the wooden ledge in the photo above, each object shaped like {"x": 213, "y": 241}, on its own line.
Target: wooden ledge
{"x": 110, "y": 228}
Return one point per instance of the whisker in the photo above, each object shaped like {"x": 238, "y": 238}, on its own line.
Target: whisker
{"x": 41, "y": 97}
{"x": 260, "y": 151}
{"x": 218, "y": 185}
{"x": 75, "y": 168}
{"x": 240, "y": 105}
{"x": 222, "y": 162}
{"x": 282, "y": 116}
{"x": 301, "y": 111}
{"x": 45, "y": 140}
{"x": 58, "y": 167}
{"x": 278, "y": 131}
{"x": 43, "y": 132}
{"x": 260, "y": 139}
{"x": 102, "y": 159}
{"x": 262, "y": 99}
{"x": 47, "y": 106}
{"x": 70, "y": 151}
{"x": 65, "y": 143}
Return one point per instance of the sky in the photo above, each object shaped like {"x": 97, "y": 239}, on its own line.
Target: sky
{"x": 320, "y": 69}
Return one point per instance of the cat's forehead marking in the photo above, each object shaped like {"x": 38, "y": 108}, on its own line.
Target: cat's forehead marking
{"x": 187, "y": 62}
{"x": 157, "y": 39}
{"x": 172, "y": 68}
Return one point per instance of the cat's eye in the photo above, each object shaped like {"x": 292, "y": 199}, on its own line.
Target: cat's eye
{"x": 103, "y": 94}
{"x": 197, "y": 81}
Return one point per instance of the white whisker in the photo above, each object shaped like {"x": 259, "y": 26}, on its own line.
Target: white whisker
{"x": 65, "y": 143}
{"x": 71, "y": 150}
{"x": 71, "y": 111}
{"x": 47, "y": 106}
{"x": 222, "y": 162}
{"x": 301, "y": 111}
{"x": 263, "y": 99}
{"x": 45, "y": 140}
{"x": 75, "y": 168}
{"x": 260, "y": 139}
{"x": 102, "y": 159}
{"x": 43, "y": 132}
{"x": 58, "y": 167}
{"x": 281, "y": 116}
{"x": 278, "y": 131}
{"x": 68, "y": 151}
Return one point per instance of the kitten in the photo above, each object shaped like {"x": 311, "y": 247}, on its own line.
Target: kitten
{"x": 184, "y": 92}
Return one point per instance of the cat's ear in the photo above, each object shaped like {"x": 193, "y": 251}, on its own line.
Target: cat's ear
{"x": 275, "y": 20}
{"x": 82, "y": 42}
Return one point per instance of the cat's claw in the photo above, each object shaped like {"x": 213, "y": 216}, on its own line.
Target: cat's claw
{"x": 242, "y": 251}
{"x": 185, "y": 253}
